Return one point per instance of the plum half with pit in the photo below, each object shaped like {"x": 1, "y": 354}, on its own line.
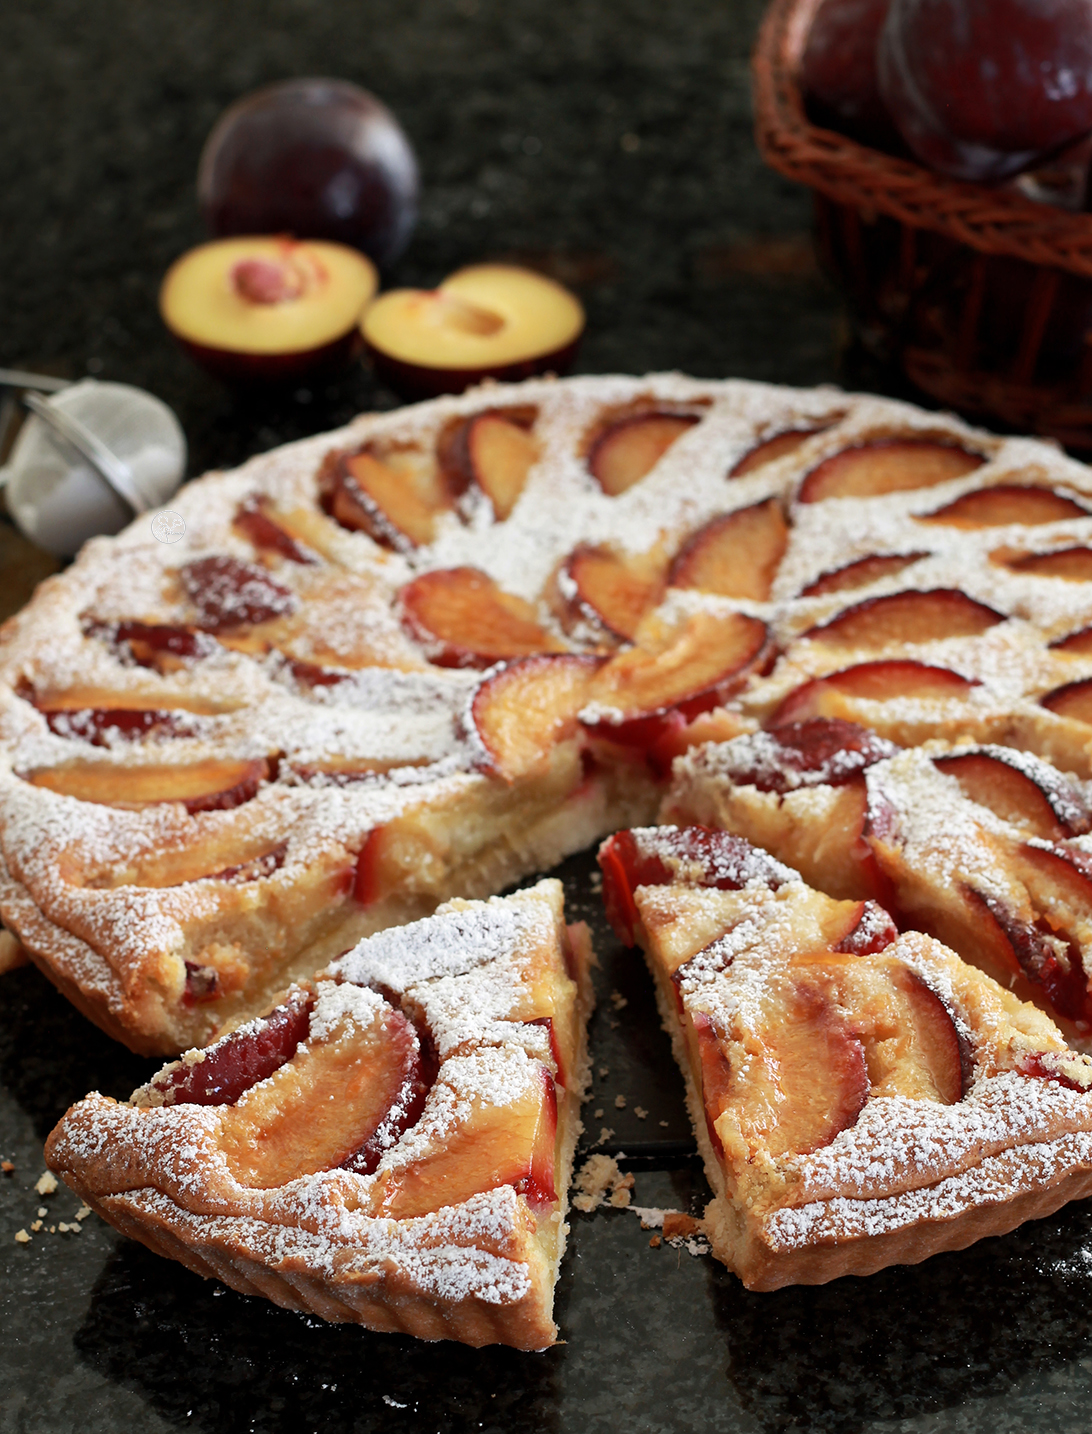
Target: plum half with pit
{"x": 314, "y": 158}
{"x": 981, "y": 89}
{"x": 267, "y": 310}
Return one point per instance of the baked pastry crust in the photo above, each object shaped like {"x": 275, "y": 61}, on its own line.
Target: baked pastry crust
{"x": 433, "y": 1240}
{"x": 224, "y": 761}
{"x": 906, "y": 1169}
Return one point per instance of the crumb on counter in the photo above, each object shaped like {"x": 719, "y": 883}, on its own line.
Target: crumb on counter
{"x": 599, "y": 1182}
{"x": 619, "y": 1102}
{"x": 618, "y": 1001}
{"x": 22, "y": 1238}
{"x": 47, "y": 1183}
{"x": 7, "y": 1167}
{"x": 640, "y": 1112}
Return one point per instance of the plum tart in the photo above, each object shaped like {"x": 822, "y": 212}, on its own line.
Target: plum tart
{"x": 860, "y": 1098}
{"x": 390, "y": 1144}
{"x": 443, "y": 648}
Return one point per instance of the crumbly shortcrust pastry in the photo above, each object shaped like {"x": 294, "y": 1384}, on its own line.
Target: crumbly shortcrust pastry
{"x": 860, "y": 1099}
{"x": 224, "y": 761}
{"x": 392, "y": 1145}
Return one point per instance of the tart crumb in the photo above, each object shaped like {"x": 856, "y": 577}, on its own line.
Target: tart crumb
{"x": 22, "y": 1238}
{"x": 7, "y": 1167}
{"x": 619, "y": 1102}
{"x": 599, "y": 1181}
{"x": 640, "y": 1112}
{"x": 655, "y": 1243}
{"x": 618, "y": 1001}
{"x": 47, "y": 1183}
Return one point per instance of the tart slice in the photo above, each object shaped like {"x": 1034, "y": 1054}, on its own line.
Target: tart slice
{"x": 391, "y": 1144}
{"x": 986, "y": 847}
{"x": 860, "y": 1099}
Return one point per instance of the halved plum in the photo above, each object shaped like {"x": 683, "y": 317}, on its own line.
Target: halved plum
{"x": 253, "y": 519}
{"x": 215, "y": 784}
{"x": 861, "y": 573}
{"x": 523, "y": 710}
{"x": 463, "y": 619}
{"x": 494, "y": 450}
{"x": 229, "y": 594}
{"x": 887, "y": 465}
{"x": 906, "y": 617}
{"x": 1041, "y": 948}
{"x": 630, "y": 448}
{"x": 513, "y": 1143}
{"x": 1072, "y": 700}
{"x": 770, "y": 449}
{"x": 1022, "y": 789}
{"x": 693, "y": 855}
{"x": 694, "y": 668}
{"x": 236, "y": 1062}
{"x": 736, "y": 554}
{"x": 1074, "y": 564}
{"x": 396, "y": 507}
{"x": 612, "y": 590}
{"x": 345, "y": 1095}
{"x": 1003, "y": 504}
{"x": 881, "y": 681}
{"x": 823, "y": 750}
{"x": 100, "y": 726}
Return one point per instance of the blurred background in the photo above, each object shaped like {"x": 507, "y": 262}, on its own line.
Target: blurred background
{"x": 608, "y": 144}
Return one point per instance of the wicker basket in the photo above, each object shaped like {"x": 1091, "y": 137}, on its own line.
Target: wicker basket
{"x": 983, "y": 297}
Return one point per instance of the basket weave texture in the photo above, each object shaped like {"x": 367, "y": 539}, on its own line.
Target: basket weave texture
{"x": 993, "y": 221}
{"x": 982, "y": 296}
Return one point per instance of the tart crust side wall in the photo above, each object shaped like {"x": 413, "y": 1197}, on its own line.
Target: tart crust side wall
{"x": 388, "y": 1302}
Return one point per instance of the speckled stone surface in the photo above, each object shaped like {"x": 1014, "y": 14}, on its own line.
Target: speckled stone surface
{"x": 608, "y": 141}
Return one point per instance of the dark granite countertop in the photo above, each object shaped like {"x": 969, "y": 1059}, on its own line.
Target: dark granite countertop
{"x": 608, "y": 141}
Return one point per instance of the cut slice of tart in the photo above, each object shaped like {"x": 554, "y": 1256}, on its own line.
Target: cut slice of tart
{"x": 391, "y": 1144}
{"x": 860, "y": 1099}
{"x": 983, "y": 846}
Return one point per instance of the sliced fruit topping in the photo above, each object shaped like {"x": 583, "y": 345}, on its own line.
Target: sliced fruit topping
{"x": 212, "y": 785}
{"x": 221, "y": 1073}
{"x": 1003, "y": 504}
{"x": 367, "y": 495}
{"x": 102, "y": 726}
{"x": 716, "y": 1071}
{"x": 229, "y": 594}
{"x": 1041, "y": 948}
{"x": 463, "y": 619}
{"x": 871, "y": 930}
{"x": 344, "y": 1097}
{"x": 695, "y": 856}
{"x": 254, "y": 520}
{"x": 696, "y": 667}
{"x": 861, "y": 573}
{"x": 887, "y": 465}
{"x": 1066, "y": 1067}
{"x": 491, "y": 1145}
{"x": 629, "y": 449}
{"x": 521, "y": 712}
{"x": 906, "y": 617}
{"x": 770, "y": 449}
{"x": 610, "y": 590}
{"x": 1072, "y": 700}
{"x": 824, "y": 750}
{"x": 736, "y": 554}
{"x": 1021, "y": 789}
{"x": 1079, "y": 642}
{"x": 495, "y": 450}
{"x": 1072, "y": 564}
{"x": 819, "y": 1077}
{"x": 161, "y": 646}
{"x": 881, "y": 681}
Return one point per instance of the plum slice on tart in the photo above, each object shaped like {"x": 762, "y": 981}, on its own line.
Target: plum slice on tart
{"x": 391, "y": 1144}
{"x": 838, "y": 1074}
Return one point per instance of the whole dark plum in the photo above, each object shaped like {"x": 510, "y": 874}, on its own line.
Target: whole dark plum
{"x": 838, "y": 71}
{"x": 981, "y": 89}
{"x": 314, "y": 158}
